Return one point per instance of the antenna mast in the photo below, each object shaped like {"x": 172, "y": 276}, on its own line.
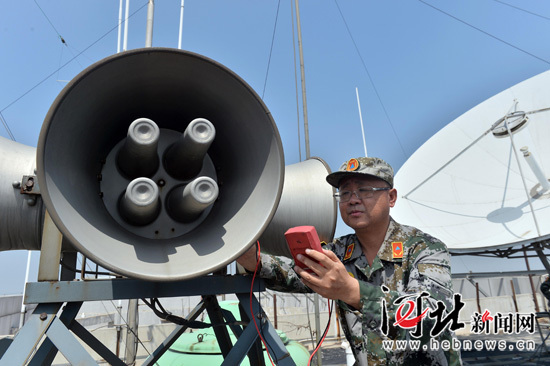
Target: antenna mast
{"x": 303, "y": 75}
{"x": 361, "y": 119}
{"x": 181, "y": 24}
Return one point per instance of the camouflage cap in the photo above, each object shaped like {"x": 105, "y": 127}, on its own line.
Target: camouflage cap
{"x": 375, "y": 167}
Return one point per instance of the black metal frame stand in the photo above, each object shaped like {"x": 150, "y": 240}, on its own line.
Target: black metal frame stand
{"x": 46, "y": 332}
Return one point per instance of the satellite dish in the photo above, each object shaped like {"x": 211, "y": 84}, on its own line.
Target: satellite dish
{"x": 482, "y": 181}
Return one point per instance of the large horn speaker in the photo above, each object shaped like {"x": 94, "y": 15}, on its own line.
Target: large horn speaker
{"x": 22, "y": 212}
{"x": 160, "y": 164}
{"x": 307, "y": 199}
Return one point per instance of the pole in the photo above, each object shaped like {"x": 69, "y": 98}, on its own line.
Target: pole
{"x": 296, "y": 85}
{"x": 306, "y": 137}
{"x": 535, "y": 167}
{"x": 534, "y": 293}
{"x": 118, "y": 325}
{"x": 514, "y": 295}
{"x": 477, "y": 298}
{"x": 23, "y": 306}
{"x": 275, "y": 311}
{"x": 181, "y": 24}
{"x": 529, "y": 200}
{"x": 149, "y": 28}
{"x": 361, "y": 119}
{"x": 125, "y": 43}
{"x": 131, "y": 334}
{"x": 119, "y": 26}
{"x": 318, "y": 327}
{"x": 50, "y": 251}
{"x": 303, "y": 75}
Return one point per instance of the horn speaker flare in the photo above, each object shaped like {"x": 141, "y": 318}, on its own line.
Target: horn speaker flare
{"x": 160, "y": 164}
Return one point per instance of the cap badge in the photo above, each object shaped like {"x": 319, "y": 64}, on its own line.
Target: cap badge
{"x": 353, "y": 164}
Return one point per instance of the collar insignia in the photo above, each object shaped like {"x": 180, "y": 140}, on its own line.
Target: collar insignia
{"x": 349, "y": 251}
{"x": 397, "y": 249}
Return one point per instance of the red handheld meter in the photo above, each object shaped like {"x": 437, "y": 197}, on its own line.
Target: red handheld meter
{"x": 301, "y": 238}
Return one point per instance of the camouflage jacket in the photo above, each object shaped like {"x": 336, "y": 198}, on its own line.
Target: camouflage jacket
{"x": 408, "y": 263}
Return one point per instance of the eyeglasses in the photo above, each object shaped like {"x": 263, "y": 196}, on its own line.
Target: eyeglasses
{"x": 361, "y": 193}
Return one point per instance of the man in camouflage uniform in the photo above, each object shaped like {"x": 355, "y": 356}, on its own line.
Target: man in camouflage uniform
{"x": 368, "y": 271}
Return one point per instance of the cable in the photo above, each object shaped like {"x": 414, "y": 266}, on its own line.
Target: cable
{"x": 371, "y": 81}
{"x": 68, "y": 62}
{"x": 5, "y": 123}
{"x": 49, "y": 21}
{"x": 309, "y": 327}
{"x": 63, "y": 42}
{"x": 271, "y": 49}
{"x": 111, "y": 301}
{"x": 131, "y": 330}
{"x": 330, "y": 307}
{"x": 324, "y": 333}
{"x": 121, "y": 317}
{"x": 60, "y": 60}
{"x": 163, "y": 314}
{"x": 527, "y": 11}
{"x": 486, "y": 33}
{"x": 252, "y": 310}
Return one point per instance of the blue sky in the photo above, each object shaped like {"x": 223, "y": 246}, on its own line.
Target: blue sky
{"x": 417, "y": 65}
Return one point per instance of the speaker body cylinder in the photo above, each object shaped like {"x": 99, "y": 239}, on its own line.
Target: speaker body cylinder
{"x": 307, "y": 199}
{"x": 191, "y": 149}
{"x": 138, "y": 156}
{"x": 186, "y": 203}
{"x": 21, "y": 215}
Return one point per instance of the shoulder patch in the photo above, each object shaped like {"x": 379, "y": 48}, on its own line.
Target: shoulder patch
{"x": 349, "y": 251}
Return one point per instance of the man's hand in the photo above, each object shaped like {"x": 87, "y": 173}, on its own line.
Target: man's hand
{"x": 330, "y": 278}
